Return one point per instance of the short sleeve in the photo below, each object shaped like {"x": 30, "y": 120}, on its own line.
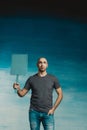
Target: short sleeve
{"x": 56, "y": 83}
{"x": 28, "y": 84}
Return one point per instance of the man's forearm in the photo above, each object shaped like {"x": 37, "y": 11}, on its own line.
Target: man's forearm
{"x": 22, "y": 92}
{"x": 57, "y": 102}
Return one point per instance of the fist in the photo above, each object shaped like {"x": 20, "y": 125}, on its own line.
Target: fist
{"x": 16, "y": 86}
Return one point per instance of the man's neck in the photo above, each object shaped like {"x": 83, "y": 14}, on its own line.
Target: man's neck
{"x": 42, "y": 74}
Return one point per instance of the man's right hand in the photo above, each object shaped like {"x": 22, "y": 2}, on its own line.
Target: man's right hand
{"x": 16, "y": 86}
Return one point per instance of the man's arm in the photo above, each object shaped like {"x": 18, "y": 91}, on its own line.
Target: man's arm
{"x": 20, "y": 92}
{"x": 58, "y": 100}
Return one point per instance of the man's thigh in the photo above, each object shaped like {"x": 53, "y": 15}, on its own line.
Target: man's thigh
{"x": 48, "y": 122}
{"x": 34, "y": 120}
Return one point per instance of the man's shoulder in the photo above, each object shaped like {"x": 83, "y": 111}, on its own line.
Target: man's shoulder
{"x": 51, "y": 75}
{"x": 32, "y": 76}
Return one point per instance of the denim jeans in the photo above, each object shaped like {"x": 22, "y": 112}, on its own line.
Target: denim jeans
{"x": 36, "y": 118}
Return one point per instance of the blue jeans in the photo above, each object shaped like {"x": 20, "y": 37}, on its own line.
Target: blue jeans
{"x": 36, "y": 118}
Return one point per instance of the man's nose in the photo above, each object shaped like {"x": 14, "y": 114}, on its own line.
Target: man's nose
{"x": 42, "y": 63}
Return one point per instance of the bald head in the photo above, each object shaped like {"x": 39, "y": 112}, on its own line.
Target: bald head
{"x": 42, "y": 64}
{"x": 42, "y": 59}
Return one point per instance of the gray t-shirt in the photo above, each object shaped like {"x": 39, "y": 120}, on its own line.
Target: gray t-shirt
{"x": 42, "y": 89}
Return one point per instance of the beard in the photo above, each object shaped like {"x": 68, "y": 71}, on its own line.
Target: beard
{"x": 42, "y": 70}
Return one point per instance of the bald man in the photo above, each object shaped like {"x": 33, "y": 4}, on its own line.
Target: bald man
{"x": 41, "y": 108}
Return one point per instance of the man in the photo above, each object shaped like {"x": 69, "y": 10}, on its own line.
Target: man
{"x": 41, "y": 105}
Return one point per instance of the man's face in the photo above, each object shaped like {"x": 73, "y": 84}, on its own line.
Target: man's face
{"x": 42, "y": 64}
